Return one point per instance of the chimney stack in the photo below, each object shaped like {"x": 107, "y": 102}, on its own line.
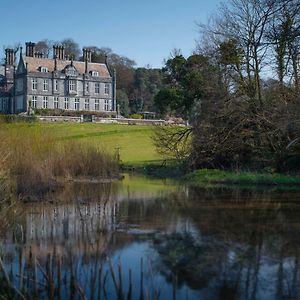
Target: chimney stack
{"x": 38, "y": 54}
{"x": 9, "y": 57}
{"x": 59, "y": 52}
{"x": 87, "y": 57}
{"x": 30, "y": 49}
{"x": 62, "y": 49}
{"x": 55, "y": 52}
{"x": 87, "y": 54}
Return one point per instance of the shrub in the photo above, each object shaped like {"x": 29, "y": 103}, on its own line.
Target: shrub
{"x": 72, "y": 113}
{"x": 136, "y": 116}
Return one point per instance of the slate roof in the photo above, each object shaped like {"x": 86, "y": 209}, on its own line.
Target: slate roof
{"x": 34, "y": 64}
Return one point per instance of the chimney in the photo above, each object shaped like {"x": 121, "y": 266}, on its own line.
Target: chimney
{"x": 59, "y": 52}
{"x": 55, "y": 52}
{"x": 9, "y": 57}
{"x": 62, "y": 51}
{"x": 38, "y": 54}
{"x": 87, "y": 57}
{"x": 87, "y": 54}
{"x": 30, "y": 49}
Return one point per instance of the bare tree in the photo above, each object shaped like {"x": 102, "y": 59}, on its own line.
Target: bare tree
{"x": 173, "y": 142}
{"x": 71, "y": 48}
{"x": 247, "y": 23}
{"x": 45, "y": 47}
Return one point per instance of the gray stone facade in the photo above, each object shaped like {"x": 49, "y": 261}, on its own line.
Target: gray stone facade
{"x": 57, "y": 83}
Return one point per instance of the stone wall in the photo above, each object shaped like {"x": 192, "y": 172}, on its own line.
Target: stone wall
{"x": 101, "y": 120}
{"x": 60, "y": 119}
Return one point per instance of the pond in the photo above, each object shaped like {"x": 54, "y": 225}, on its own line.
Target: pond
{"x": 155, "y": 239}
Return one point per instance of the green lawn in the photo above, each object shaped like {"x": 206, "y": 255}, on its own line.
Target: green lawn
{"x": 206, "y": 176}
{"x": 134, "y": 141}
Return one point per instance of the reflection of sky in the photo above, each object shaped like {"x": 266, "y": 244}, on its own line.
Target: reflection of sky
{"x": 131, "y": 229}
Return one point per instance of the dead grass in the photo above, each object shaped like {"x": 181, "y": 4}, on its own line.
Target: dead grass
{"x": 35, "y": 160}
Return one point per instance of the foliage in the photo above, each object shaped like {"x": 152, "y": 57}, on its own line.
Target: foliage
{"x": 229, "y": 177}
{"x": 188, "y": 82}
{"x": 71, "y": 113}
{"x": 17, "y": 118}
{"x": 256, "y": 120}
{"x": 71, "y": 48}
{"x": 44, "y": 47}
{"x": 172, "y": 142}
{"x": 147, "y": 83}
{"x": 239, "y": 118}
{"x": 136, "y": 116}
{"x": 123, "y": 102}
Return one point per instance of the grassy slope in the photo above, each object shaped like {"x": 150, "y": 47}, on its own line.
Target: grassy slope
{"x": 136, "y": 148}
{"x": 134, "y": 141}
{"x": 247, "y": 178}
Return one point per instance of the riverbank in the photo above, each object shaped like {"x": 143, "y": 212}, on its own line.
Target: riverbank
{"x": 181, "y": 172}
{"x": 241, "y": 178}
{"x": 131, "y": 145}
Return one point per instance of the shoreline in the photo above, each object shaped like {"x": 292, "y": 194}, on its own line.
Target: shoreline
{"x": 241, "y": 178}
{"x": 215, "y": 176}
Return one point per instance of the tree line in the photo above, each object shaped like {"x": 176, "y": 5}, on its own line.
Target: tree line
{"x": 240, "y": 90}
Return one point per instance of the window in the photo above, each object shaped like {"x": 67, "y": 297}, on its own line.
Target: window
{"x": 55, "y": 85}
{"x": 87, "y": 87}
{"x": 33, "y": 101}
{"x": 95, "y": 73}
{"x": 87, "y": 104}
{"x": 70, "y": 71}
{"x": 97, "y": 88}
{"x": 44, "y": 70}
{"x": 56, "y": 102}
{"x": 97, "y": 104}
{"x": 106, "y": 104}
{"x": 45, "y": 102}
{"x": 106, "y": 89}
{"x": 34, "y": 84}
{"x": 76, "y": 103}
{"x": 45, "y": 85}
{"x": 72, "y": 86}
{"x": 66, "y": 103}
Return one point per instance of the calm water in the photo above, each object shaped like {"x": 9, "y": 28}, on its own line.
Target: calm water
{"x": 158, "y": 240}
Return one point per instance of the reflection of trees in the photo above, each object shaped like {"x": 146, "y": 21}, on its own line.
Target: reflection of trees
{"x": 245, "y": 236}
{"x": 191, "y": 261}
{"x": 228, "y": 243}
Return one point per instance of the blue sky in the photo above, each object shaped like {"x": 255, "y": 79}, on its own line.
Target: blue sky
{"x": 145, "y": 31}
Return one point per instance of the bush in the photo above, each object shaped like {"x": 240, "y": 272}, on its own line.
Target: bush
{"x": 136, "y": 116}
{"x": 17, "y": 118}
{"x": 73, "y": 113}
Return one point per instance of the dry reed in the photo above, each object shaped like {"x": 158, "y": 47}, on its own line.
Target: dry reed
{"x": 36, "y": 161}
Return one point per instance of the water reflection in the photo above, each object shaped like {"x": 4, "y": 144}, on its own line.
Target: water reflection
{"x": 156, "y": 240}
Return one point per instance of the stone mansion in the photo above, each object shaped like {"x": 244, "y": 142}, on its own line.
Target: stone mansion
{"x": 37, "y": 82}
